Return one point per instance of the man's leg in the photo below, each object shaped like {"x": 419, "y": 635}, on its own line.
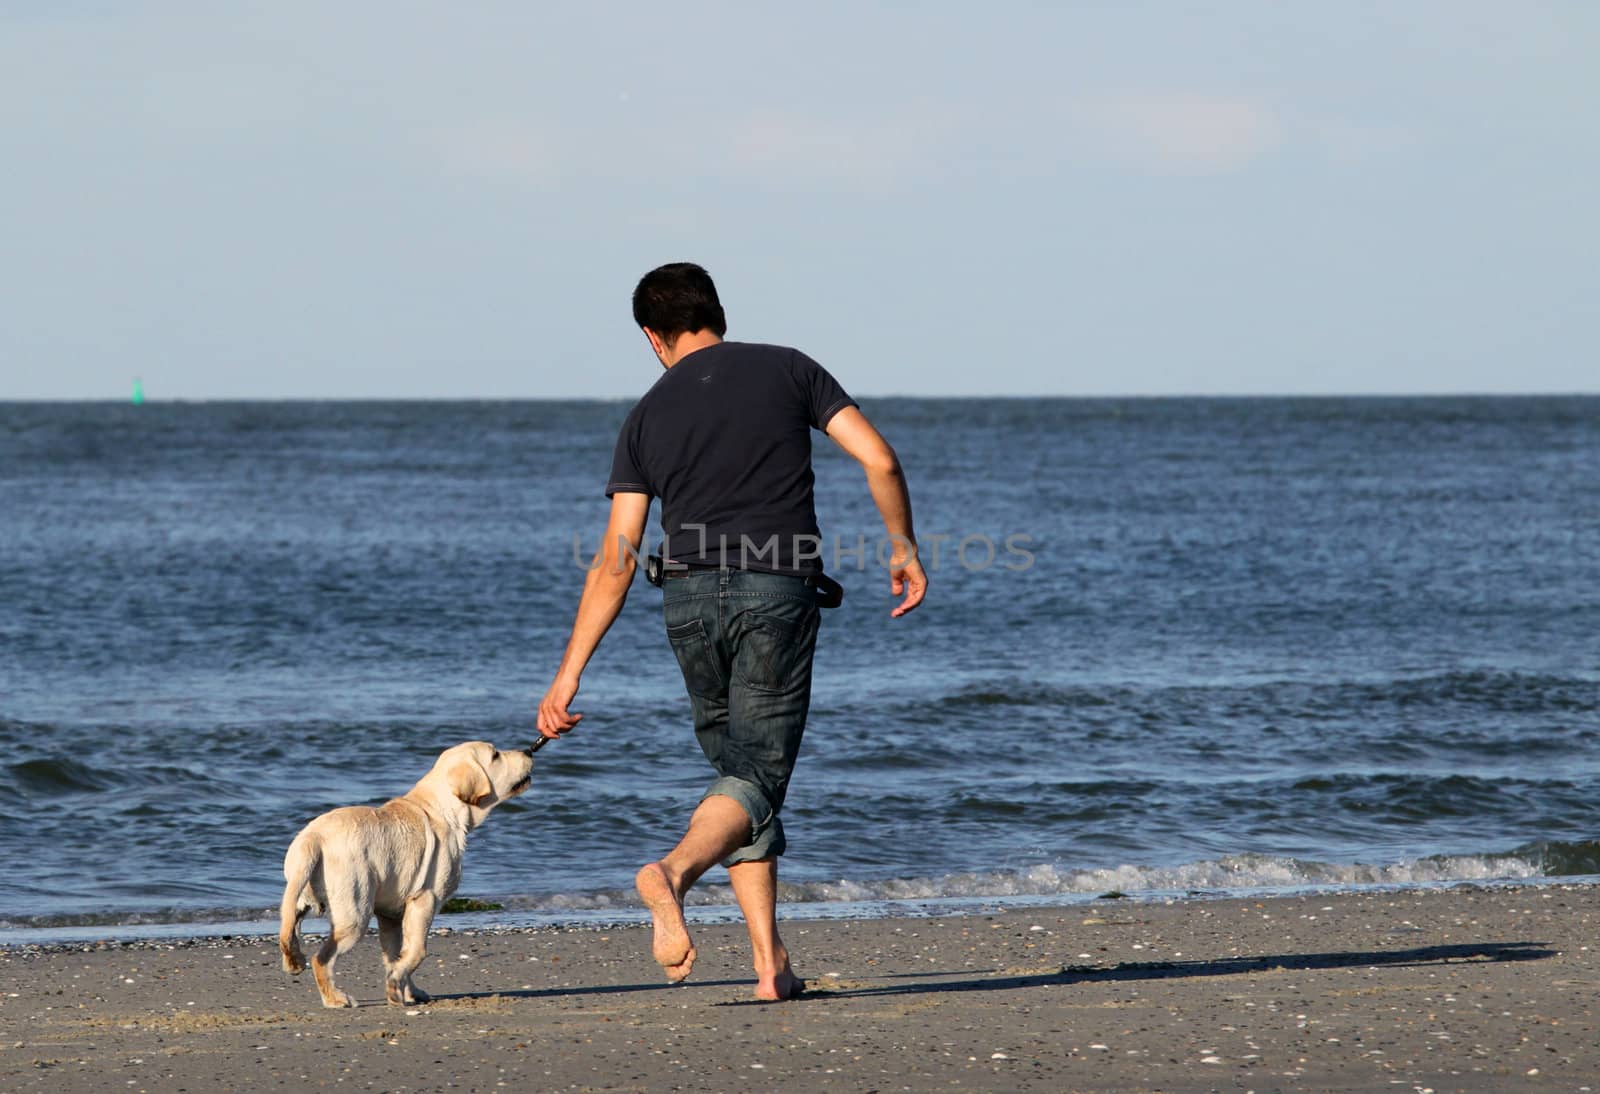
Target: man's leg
{"x": 756, "y": 886}
{"x": 719, "y": 826}
{"x": 773, "y": 636}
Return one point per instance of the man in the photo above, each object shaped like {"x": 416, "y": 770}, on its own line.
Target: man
{"x": 723, "y": 438}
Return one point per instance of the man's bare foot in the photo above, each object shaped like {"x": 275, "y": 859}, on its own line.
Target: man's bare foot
{"x": 779, "y": 982}
{"x": 672, "y": 948}
{"x": 778, "y": 986}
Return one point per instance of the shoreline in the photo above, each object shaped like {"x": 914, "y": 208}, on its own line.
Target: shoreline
{"x": 1471, "y": 987}
{"x": 518, "y": 920}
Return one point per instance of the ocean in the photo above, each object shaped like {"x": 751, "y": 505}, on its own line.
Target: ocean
{"x": 1171, "y": 646}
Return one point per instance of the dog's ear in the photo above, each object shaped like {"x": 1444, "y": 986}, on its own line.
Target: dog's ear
{"x": 470, "y": 783}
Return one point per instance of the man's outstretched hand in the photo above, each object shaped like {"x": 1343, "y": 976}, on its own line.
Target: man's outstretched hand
{"x": 553, "y": 717}
{"x": 907, "y": 577}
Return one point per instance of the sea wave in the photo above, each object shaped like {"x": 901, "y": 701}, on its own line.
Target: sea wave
{"x": 1212, "y": 876}
{"x": 1484, "y": 688}
{"x": 1217, "y": 877}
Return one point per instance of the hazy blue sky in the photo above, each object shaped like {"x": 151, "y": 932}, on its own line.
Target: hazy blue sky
{"x": 401, "y": 199}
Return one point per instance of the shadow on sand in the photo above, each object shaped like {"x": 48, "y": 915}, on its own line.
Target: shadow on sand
{"x": 925, "y": 982}
{"x": 591, "y": 989}
{"x": 1172, "y": 970}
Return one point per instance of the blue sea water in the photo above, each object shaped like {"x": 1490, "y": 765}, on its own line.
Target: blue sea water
{"x": 1170, "y": 644}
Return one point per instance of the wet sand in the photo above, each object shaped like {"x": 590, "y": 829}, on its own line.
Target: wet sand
{"x": 1469, "y": 988}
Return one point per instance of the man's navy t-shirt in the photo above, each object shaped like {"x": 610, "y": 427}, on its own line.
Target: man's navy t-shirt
{"x": 724, "y": 440}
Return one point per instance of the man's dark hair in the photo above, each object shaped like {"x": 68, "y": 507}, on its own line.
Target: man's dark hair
{"x": 677, "y": 298}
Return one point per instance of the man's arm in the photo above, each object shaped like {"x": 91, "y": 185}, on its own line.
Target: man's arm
{"x": 604, "y": 592}
{"x": 852, "y": 432}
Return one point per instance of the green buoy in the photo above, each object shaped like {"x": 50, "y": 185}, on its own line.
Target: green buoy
{"x": 138, "y": 391}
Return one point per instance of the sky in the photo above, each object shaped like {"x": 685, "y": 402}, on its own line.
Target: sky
{"x": 431, "y": 200}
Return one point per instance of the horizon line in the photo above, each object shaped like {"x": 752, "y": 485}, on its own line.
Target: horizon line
{"x": 1113, "y": 397}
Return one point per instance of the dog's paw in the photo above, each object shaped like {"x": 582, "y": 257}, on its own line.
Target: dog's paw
{"x": 405, "y": 995}
{"x": 336, "y": 999}
{"x": 293, "y": 967}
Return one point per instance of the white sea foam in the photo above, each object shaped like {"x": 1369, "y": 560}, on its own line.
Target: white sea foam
{"x": 1220, "y": 875}
{"x": 1213, "y": 876}
{"x": 846, "y": 896}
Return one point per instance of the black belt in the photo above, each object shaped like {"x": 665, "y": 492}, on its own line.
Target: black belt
{"x": 829, "y": 593}
{"x": 682, "y": 569}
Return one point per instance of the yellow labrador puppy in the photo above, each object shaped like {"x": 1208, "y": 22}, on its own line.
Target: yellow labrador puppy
{"x": 401, "y": 860}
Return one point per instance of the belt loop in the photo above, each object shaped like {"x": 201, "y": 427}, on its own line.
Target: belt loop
{"x": 722, "y": 582}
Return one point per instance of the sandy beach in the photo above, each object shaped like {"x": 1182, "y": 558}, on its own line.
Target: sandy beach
{"x": 1469, "y": 988}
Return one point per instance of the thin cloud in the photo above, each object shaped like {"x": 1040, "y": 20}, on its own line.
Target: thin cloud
{"x": 788, "y": 148}
{"x": 1184, "y": 133}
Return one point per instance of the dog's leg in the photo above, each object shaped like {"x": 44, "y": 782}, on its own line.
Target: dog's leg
{"x": 391, "y": 934}
{"x": 342, "y": 937}
{"x": 303, "y": 859}
{"x": 414, "y": 947}
{"x": 294, "y": 958}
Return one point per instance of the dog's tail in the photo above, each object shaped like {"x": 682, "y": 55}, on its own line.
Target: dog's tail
{"x": 302, "y": 860}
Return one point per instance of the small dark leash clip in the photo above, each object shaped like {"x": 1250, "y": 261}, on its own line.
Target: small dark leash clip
{"x": 654, "y": 568}
{"x": 830, "y": 594}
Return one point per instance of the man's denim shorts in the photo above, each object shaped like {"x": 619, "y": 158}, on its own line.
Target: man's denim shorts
{"x": 744, "y": 640}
